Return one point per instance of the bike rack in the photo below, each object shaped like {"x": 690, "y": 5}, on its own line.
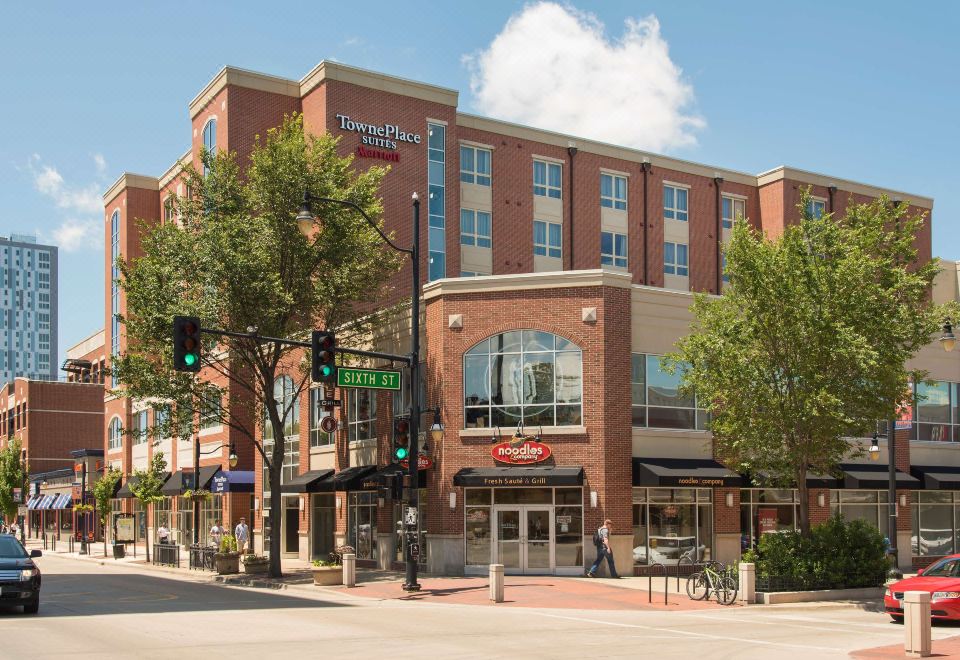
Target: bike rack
{"x": 666, "y": 582}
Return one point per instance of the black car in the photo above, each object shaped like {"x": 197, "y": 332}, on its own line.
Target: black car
{"x": 19, "y": 576}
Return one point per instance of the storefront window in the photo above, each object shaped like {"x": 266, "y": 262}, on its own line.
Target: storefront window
{"x": 211, "y": 511}
{"x": 764, "y": 510}
{"x": 140, "y": 519}
{"x": 657, "y": 399}
{"x": 523, "y": 375}
{"x": 935, "y": 523}
{"x": 362, "y": 522}
{"x": 183, "y": 534}
{"x": 323, "y": 523}
{"x": 162, "y": 515}
{"x": 869, "y": 505}
{"x": 477, "y": 525}
{"x": 672, "y": 525}
{"x": 568, "y": 526}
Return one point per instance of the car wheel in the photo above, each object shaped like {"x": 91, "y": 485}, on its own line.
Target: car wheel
{"x": 896, "y": 619}
{"x": 32, "y": 607}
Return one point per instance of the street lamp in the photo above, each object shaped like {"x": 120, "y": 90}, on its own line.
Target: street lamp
{"x": 232, "y": 460}
{"x": 305, "y": 221}
{"x": 23, "y": 493}
{"x": 874, "y": 449}
{"x": 948, "y": 340}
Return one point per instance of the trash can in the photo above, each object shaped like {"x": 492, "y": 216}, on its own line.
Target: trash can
{"x": 119, "y": 550}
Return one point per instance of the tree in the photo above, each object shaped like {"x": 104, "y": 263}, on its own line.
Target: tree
{"x": 11, "y": 476}
{"x": 237, "y": 260}
{"x": 146, "y": 484}
{"x": 808, "y": 346}
{"x": 103, "y": 492}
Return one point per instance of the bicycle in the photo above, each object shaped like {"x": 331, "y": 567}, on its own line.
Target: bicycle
{"x": 714, "y": 577}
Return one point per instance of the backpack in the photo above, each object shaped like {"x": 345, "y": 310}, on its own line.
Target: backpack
{"x": 597, "y": 538}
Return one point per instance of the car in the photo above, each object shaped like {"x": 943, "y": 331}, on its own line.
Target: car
{"x": 669, "y": 550}
{"x": 19, "y": 576}
{"x": 941, "y": 580}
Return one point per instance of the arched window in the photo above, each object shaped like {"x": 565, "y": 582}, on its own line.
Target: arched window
{"x": 210, "y": 139}
{"x": 523, "y": 374}
{"x": 115, "y": 434}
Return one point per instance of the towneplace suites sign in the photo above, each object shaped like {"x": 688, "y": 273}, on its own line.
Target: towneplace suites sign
{"x": 520, "y": 451}
{"x": 374, "y": 138}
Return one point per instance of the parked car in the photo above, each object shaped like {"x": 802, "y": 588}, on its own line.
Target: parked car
{"x": 941, "y": 580}
{"x": 669, "y": 550}
{"x": 19, "y": 576}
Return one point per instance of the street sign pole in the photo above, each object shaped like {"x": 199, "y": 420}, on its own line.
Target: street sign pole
{"x": 411, "y": 583}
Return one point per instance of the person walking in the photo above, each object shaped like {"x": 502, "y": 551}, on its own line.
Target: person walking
{"x": 216, "y": 533}
{"x": 163, "y": 534}
{"x": 601, "y": 539}
{"x": 242, "y": 534}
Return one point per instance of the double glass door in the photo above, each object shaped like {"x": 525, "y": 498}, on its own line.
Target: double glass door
{"x": 524, "y": 538}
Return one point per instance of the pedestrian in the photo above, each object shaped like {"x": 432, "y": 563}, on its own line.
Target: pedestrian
{"x": 602, "y": 540}
{"x": 216, "y": 532}
{"x": 163, "y": 534}
{"x": 242, "y": 533}
{"x": 14, "y": 528}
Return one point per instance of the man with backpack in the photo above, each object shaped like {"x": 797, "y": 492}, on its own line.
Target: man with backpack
{"x": 601, "y": 539}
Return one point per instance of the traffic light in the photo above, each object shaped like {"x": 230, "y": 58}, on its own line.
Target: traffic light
{"x": 186, "y": 343}
{"x": 401, "y": 438}
{"x": 396, "y": 486}
{"x": 323, "y": 358}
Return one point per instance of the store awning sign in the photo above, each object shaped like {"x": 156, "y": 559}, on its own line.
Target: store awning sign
{"x": 520, "y": 450}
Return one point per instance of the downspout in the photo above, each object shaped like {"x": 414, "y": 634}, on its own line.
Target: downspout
{"x": 645, "y": 168}
{"x": 717, "y": 182}
{"x": 831, "y": 191}
{"x": 572, "y": 150}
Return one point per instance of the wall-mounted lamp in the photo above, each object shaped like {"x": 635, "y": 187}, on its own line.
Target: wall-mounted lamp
{"x": 729, "y": 500}
{"x": 593, "y": 499}
{"x": 380, "y": 501}
{"x": 256, "y": 503}
{"x": 436, "y": 429}
{"x": 453, "y": 500}
{"x": 232, "y": 457}
{"x": 903, "y": 500}
{"x": 821, "y": 500}
{"x": 301, "y": 503}
{"x": 338, "y": 501}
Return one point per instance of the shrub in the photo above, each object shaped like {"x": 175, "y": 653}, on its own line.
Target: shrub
{"x": 228, "y": 544}
{"x": 837, "y": 555}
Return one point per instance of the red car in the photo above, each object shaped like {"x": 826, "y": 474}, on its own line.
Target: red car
{"x": 941, "y": 580}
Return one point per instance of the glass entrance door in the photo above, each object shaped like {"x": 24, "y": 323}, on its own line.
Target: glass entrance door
{"x": 524, "y": 539}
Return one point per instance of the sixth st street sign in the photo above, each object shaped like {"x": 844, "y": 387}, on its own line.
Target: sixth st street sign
{"x": 376, "y": 379}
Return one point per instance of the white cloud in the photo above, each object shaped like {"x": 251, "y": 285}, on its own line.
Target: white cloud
{"x": 49, "y": 182}
{"x": 100, "y": 162}
{"x": 74, "y": 235}
{"x": 553, "y": 67}
{"x": 81, "y": 219}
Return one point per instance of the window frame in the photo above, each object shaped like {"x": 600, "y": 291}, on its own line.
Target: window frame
{"x": 701, "y": 416}
{"x": 474, "y": 237}
{"x": 616, "y": 258}
{"x": 354, "y": 421}
{"x": 546, "y": 248}
{"x": 673, "y": 266}
{"x": 543, "y": 186}
{"x": 475, "y": 175}
{"x": 318, "y": 438}
{"x": 727, "y": 222}
{"x": 614, "y": 200}
{"x": 673, "y": 211}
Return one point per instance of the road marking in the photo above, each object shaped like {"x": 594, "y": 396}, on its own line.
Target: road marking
{"x": 688, "y": 633}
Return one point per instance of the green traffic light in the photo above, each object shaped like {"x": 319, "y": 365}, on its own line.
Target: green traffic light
{"x": 326, "y": 370}
{"x": 190, "y": 359}
{"x": 401, "y": 453}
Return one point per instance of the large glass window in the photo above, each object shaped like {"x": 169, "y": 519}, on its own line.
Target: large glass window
{"x": 675, "y": 203}
{"x": 765, "y": 510}
{"x": 115, "y": 434}
{"x": 317, "y": 437}
{"x": 362, "y": 523}
{"x": 657, "y": 400}
{"x": 675, "y": 259}
{"x": 547, "y": 239}
{"x": 211, "y": 407}
{"x": 210, "y": 140}
{"x": 869, "y": 505}
{"x": 287, "y": 403}
{"x": 613, "y": 249}
{"x": 672, "y": 525}
{"x": 816, "y": 207}
{"x": 138, "y": 434}
{"x": 162, "y": 515}
{"x": 733, "y": 209}
{"x": 475, "y": 165}
{"x": 524, "y": 374}
{"x": 474, "y": 228}
{"x": 936, "y": 414}
{"x": 323, "y": 525}
{"x": 361, "y": 414}
{"x": 613, "y": 191}
{"x": 936, "y": 523}
{"x": 436, "y": 202}
{"x": 547, "y": 179}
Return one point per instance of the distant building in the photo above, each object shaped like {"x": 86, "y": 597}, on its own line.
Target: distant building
{"x": 28, "y": 309}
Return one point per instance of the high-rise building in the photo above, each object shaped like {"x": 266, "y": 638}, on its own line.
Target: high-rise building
{"x": 28, "y": 309}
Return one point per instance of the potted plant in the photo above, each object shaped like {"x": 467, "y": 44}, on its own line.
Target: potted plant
{"x": 227, "y": 560}
{"x": 327, "y": 573}
{"x": 255, "y": 564}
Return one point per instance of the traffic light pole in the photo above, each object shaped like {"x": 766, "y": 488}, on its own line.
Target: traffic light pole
{"x": 411, "y": 522}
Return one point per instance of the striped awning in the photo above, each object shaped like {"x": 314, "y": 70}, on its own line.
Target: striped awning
{"x": 34, "y": 501}
{"x": 62, "y": 501}
{"x": 44, "y": 503}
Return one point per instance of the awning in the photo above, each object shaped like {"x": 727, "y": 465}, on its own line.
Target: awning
{"x": 308, "y": 482}
{"x": 32, "y": 502}
{"x": 44, "y": 503}
{"x": 683, "y": 473}
{"x": 132, "y": 480}
{"x": 938, "y": 477}
{"x": 352, "y": 478}
{"x": 62, "y": 501}
{"x": 183, "y": 480}
{"x": 874, "y": 477}
{"x": 814, "y": 480}
{"x": 233, "y": 481}
{"x": 518, "y": 477}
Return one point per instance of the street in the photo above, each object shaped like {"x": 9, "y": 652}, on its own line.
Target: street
{"x": 123, "y": 611}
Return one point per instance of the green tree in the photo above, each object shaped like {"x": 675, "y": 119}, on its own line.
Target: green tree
{"x": 103, "y": 492}
{"x": 11, "y": 476}
{"x": 808, "y": 346}
{"x": 146, "y": 484}
{"x": 237, "y": 260}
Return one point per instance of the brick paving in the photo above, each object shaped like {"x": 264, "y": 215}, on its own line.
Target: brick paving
{"x": 941, "y": 648}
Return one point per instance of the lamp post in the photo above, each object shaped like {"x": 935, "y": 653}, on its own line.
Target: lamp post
{"x": 23, "y": 492}
{"x": 874, "y": 453}
{"x": 232, "y": 458}
{"x": 305, "y": 221}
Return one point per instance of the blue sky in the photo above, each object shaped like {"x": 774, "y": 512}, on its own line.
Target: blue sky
{"x": 862, "y": 91}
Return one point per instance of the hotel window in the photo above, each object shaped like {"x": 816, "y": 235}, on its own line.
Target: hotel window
{"x": 937, "y": 411}
{"x": 211, "y": 407}
{"x": 209, "y": 140}
{"x": 868, "y": 505}
{"x": 114, "y": 290}
{"x": 140, "y": 427}
{"x": 546, "y": 179}
{"x": 115, "y": 434}
{"x": 474, "y": 165}
{"x": 675, "y": 259}
{"x": 474, "y": 228}
{"x": 524, "y": 375}
{"x": 936, "y": 523}
{"x": 816, "y": 207}
{"x": 317, "y": 437}
{"x": 613, "y": 249}
{"x": 675, "y": 203}
{"x": 733, "y": 209}
{"x": 547, "y": 239}
{"x": 436, "y": 202}
{"x": 657, "y": 399}
{"x": 361, "y": 414}
{"x": 613, "y": 191}
{"x": 672, "y": 525}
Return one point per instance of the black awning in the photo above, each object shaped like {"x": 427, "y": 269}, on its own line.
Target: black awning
{"x": 683, "y": 473}
{"x": 938, "y": 477}
{"x": 518, "y": 477}
{"x": 352, "y": 478}
{"x": 874, "y": 477}
{"x": 125, "y": 491}
{"x": 182, "y": 480}
{"x": 174, "y": 485}
{"x": 814, "y": 480}
{"x": 308, "y": 482}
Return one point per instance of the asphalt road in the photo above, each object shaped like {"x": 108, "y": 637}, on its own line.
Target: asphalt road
{"x": 93, "y": 611}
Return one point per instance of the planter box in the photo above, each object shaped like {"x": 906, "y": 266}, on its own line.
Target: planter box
{"x": 773, "y": 598}
{"x": 227, "y": 563}
{"x": 327, "y": 576}
{"x": 259, "y": 567}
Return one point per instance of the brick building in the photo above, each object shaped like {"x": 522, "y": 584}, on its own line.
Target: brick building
{"x": 558, "y": 271}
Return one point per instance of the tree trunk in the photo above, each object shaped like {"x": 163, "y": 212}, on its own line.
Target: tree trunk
{"x": 803, "y": 494}
{"x": 276, "y": 507}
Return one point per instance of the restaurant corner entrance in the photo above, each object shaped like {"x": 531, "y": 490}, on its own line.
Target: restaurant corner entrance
{"x": 524, "y": 539}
